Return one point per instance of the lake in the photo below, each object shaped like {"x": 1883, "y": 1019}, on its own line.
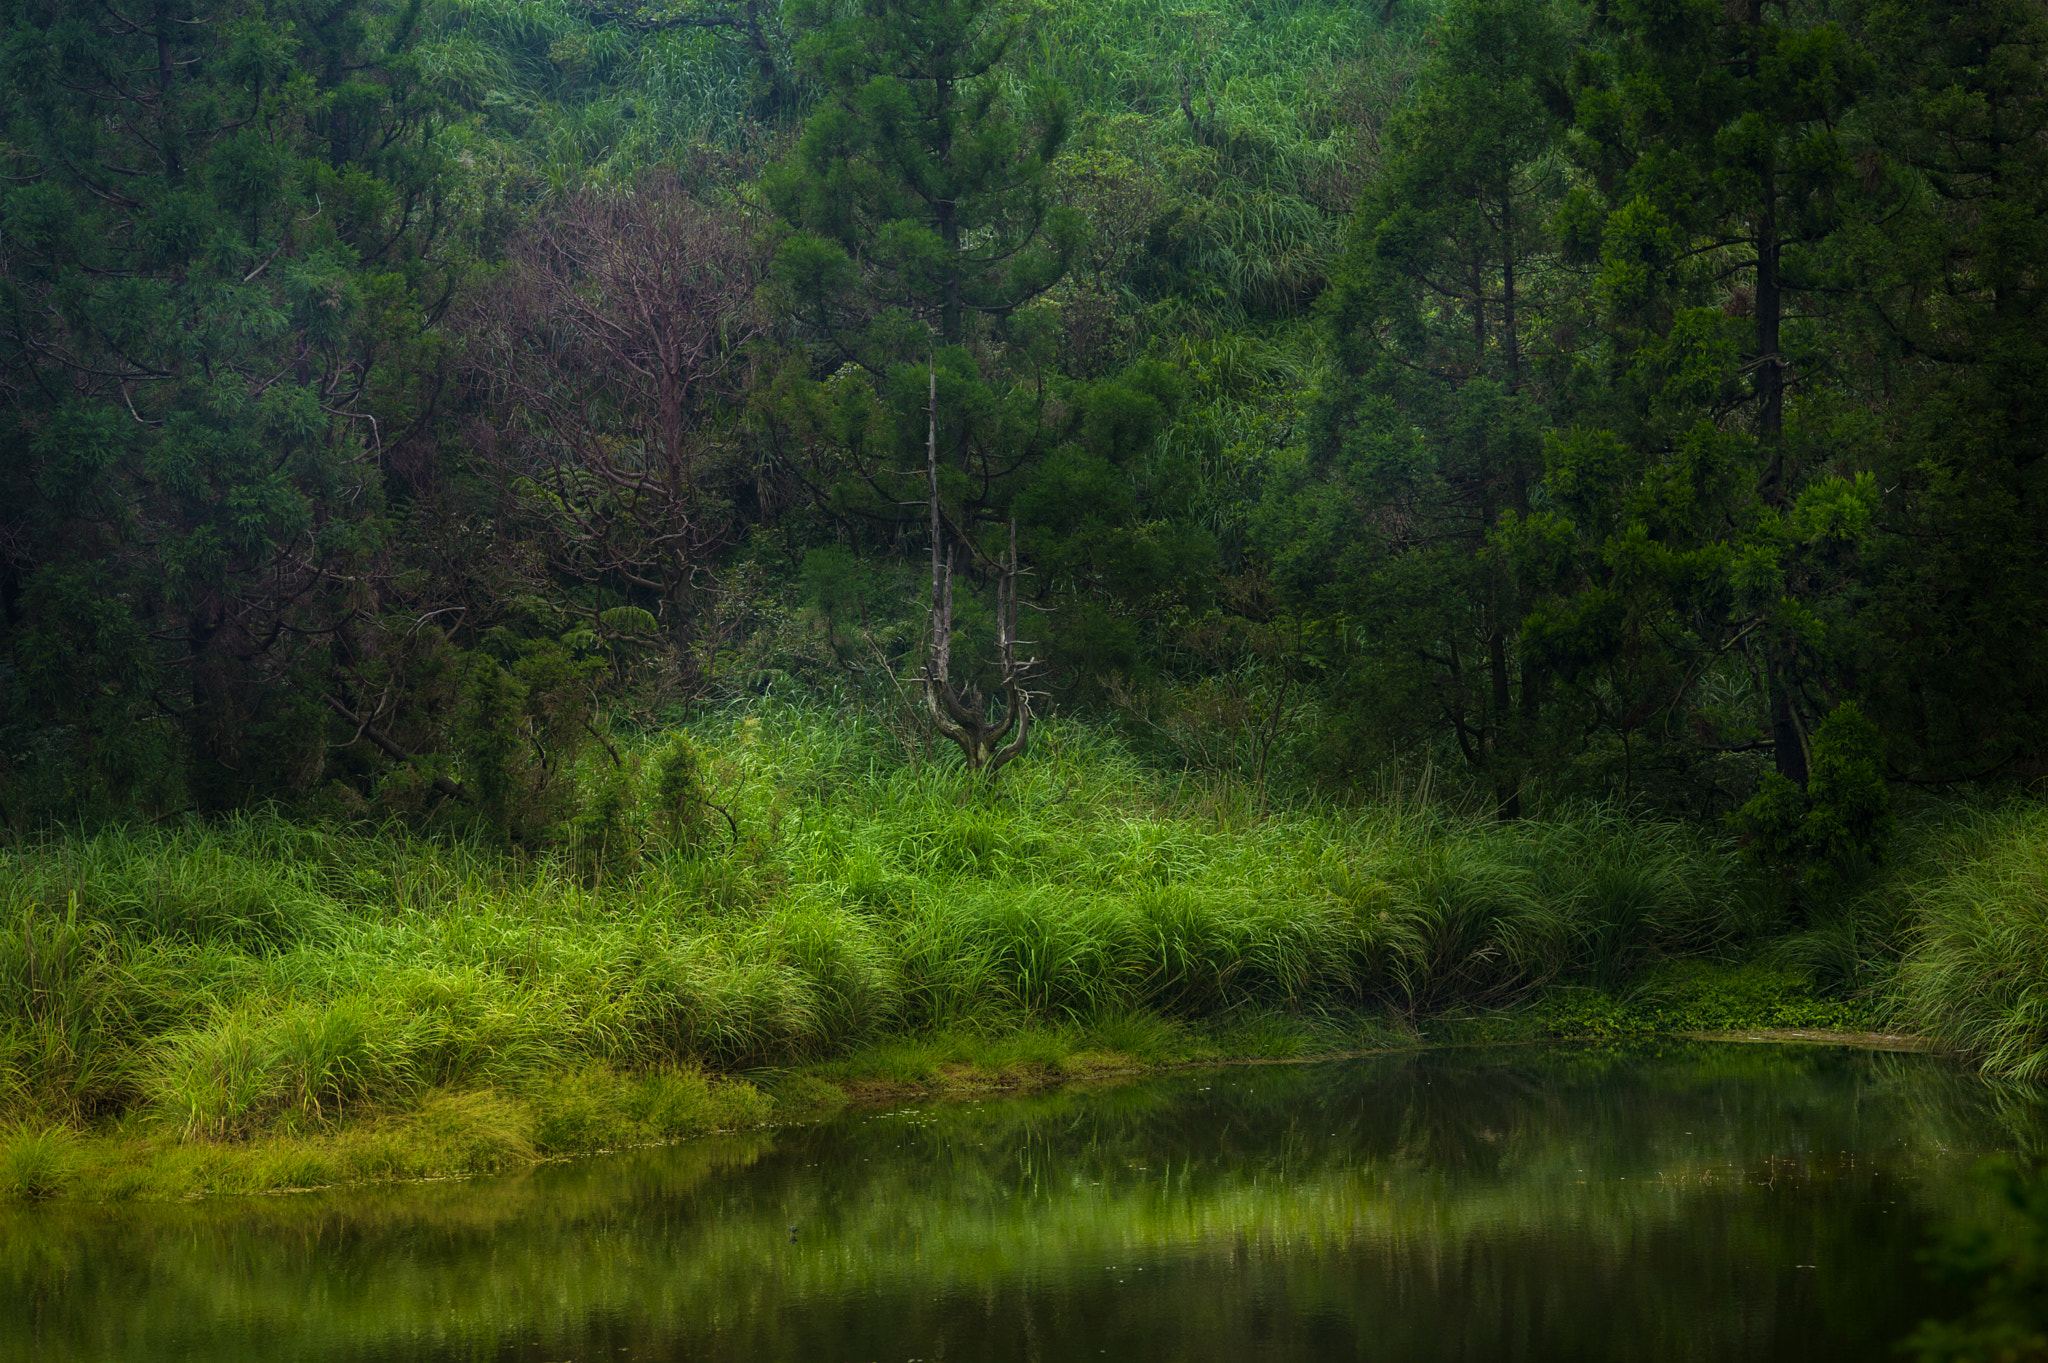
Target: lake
{"x": 1681, "y": 1201}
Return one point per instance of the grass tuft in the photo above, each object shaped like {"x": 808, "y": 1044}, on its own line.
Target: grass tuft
{"x": 1975, "y": 977}
{"x": 36, "y": 1162}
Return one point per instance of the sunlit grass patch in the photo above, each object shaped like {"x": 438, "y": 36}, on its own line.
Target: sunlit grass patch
{"x": 212, "y": 988}
{"x": 36, "y": 1161}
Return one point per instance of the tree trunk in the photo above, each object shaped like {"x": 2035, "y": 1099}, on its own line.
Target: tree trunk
{"x": 1507, "y": 786}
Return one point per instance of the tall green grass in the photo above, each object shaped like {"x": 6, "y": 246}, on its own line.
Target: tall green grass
{"x": 220, "y": 977}
{"x": 1975, "y": 971}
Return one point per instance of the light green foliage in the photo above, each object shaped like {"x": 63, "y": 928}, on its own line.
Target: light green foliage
{"x": 678, "y": 801}
{"x": 35, "y": 1161}
{"x": 254, "y": 975}
{"x": 1224, "y": 149}
{"x": 1976, "y": 976}
{"x": 316, "y": 988}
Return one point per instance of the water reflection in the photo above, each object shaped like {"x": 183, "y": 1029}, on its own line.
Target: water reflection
{"x": 1689, "y": 1202}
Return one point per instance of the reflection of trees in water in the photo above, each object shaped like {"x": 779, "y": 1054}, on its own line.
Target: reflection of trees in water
{"x": 1340, "y": 1196}
{"x": 1949, "y": 1103}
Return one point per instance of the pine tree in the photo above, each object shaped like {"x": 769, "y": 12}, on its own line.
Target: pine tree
{"x": 1427, "y": 441}
{"x": 225, "y": 242}
{"x": 1952, "y": 280}
{"x": 919, "y": 228}
{"x": 918, "y": 189}
{"x": 1711, "y": 136}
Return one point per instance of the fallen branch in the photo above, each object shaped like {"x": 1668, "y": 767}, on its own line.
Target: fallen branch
{"x": 389, "y": 745}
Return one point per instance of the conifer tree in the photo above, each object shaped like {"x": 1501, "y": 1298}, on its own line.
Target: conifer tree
{"x": 1711, "y": 136}
{"x": 1952, "y": 282}
{"x": 1427, "y": 440}
{"x": 225, "y": 245}
{"x": 918, "y": 189}
{"x": 919, "y": 227}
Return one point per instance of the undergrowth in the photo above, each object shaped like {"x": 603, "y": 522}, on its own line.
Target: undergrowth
{"x": 1691, "y": 997}
{"x": 330, "y": 989}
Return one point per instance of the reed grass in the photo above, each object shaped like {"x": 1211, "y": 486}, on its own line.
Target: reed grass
{"x": 252, "y": 972}
{"x": 205, "y": 982}
{"x": 1974, "y": 974}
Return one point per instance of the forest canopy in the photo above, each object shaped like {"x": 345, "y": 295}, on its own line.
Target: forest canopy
{"x": 1634, "y": 400}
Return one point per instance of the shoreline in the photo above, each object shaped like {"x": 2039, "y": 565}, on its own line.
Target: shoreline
{"x": 449, "y": 1136}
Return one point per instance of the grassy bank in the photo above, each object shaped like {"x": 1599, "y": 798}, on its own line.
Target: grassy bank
{"x": 254, "y": 1002}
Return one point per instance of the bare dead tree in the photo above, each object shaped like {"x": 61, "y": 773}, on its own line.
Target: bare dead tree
{"x": 961, "y": 713}
{"x": 611, "y": 352}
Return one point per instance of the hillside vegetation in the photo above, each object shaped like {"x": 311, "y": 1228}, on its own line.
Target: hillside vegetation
{"x": 575, "y": 561}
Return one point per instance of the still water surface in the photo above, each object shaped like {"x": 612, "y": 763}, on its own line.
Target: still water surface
{"x": 1683, "y": 1202}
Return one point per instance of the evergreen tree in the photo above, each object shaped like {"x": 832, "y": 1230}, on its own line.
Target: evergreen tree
{"x": 1427, "y": 441}
{"x": 920, "y": 228}
{"x": 1953, "y": 281}
{"x": 916, "y": 220}
{"x": 226, "y": 237}
{"x": 918, "y": 190}
{"x": 1725, "y": 523}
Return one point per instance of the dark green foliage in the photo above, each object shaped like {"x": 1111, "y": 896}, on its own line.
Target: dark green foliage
{"x": 1840, "y": 822}
{"x": 2002, "y": 1260}
{"x": 918, "y": 189}
{"x": 226, "y": 243}
{"x": 1681, "y": 998}
{"x": 491, "y": 746}
{"x": 1723, "y": 196}
{"x": 518, "y": 735}
{"x": 1412, "y": 514}
{"x": 606, "y": 829}
{"x": 678, "y": 802}
{"x": 1954, "y": 283}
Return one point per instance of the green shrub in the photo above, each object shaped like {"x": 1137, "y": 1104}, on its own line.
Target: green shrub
{"x": 681, "y": 808}
{"x": 606, "y": 833}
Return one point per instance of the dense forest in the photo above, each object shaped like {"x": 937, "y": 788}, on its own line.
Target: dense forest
{"x": 727, "y": 530}
{"x": 1631, "y": 401}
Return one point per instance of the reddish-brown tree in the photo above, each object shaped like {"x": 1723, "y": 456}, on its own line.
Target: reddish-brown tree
{"x": 610, "y": 354}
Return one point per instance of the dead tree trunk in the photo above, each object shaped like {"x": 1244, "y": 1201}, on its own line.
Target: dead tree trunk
{"x": 962, "y": 714}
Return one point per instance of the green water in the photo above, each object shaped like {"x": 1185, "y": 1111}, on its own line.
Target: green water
{"x": 1688, "y": 1202}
